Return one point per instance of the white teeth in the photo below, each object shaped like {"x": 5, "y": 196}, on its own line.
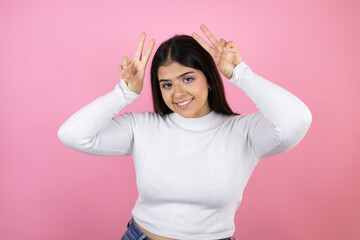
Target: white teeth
{"x": 184, "y": 103}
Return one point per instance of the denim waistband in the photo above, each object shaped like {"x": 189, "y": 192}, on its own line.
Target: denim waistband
{"x": 140, "y": 235}
{"x": 135, "y": 231}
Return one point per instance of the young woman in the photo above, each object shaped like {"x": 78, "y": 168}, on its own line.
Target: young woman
{"x": 193, "y": 155}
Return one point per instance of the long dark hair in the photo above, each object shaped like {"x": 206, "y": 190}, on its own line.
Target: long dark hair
{"x": 187, "y": 51}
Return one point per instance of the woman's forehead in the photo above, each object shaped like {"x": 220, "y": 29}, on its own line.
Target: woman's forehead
{"x": 174, "y": 70}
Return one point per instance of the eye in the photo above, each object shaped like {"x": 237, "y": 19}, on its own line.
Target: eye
{"x": 189, "y": 78}
{"x": 165, "y": 85}
{"x": 168, "y": 85}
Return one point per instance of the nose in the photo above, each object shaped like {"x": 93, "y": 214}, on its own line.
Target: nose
{"x": 179, "y": 92}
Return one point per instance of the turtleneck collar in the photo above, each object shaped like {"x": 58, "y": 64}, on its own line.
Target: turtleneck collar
{"x": 206, "y": 122}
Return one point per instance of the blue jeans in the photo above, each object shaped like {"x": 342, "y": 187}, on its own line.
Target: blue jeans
{"x": 133, "y": 232}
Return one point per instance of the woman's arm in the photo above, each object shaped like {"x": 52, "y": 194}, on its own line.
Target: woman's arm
{"x": 283, "y": 119}
{"x": 93, "y": 130}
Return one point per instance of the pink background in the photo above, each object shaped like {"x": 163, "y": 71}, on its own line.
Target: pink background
{"x": 58, "y": 56}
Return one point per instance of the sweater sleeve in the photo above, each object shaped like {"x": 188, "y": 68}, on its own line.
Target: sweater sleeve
{"x": 283, "y": 119}
{"x": 94, "y": 130}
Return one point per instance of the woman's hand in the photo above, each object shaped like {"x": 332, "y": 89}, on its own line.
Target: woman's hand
{"x": 225, "y": 54}
{"x": 133, "y": 71}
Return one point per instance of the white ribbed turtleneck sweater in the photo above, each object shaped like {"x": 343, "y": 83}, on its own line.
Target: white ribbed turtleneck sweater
{"x": 190, "y": 172}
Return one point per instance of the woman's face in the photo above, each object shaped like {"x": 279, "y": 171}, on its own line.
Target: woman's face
{"x": 179, "y": 84}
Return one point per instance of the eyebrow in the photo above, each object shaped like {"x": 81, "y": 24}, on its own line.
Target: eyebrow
{"x": 166, "y": 80}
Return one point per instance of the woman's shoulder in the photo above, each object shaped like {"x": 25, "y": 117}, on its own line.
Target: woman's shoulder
{"x": 145, "y": 117}
{"x": 234, "y": 117}
{"x": 240, "y": 119}
{"x": 149, "y": 120}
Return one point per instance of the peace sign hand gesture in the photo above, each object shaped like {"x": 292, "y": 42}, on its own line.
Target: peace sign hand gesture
{"x": 225, "y": 54}
{"x": 133, "y": 71}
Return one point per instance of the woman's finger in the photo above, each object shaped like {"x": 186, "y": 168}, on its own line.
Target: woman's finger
{"x": 222, "y": 42}
{"x": 203, "y": 43}
{"x": 139, "y": 47}
{"x": 124, "y": 61}
{"x": 210, "y": 36}
{"x": 232, "y": 45}
{"x": 122, "y": 72}
{"x": 128, "y": 60}
{"x": 148, "y": 51}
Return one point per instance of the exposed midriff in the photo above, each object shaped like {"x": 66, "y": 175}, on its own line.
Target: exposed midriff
{"x": 152, "y": 235}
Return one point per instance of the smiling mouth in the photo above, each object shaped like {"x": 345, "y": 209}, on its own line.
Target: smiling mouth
{"x": 183, "y": 103}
